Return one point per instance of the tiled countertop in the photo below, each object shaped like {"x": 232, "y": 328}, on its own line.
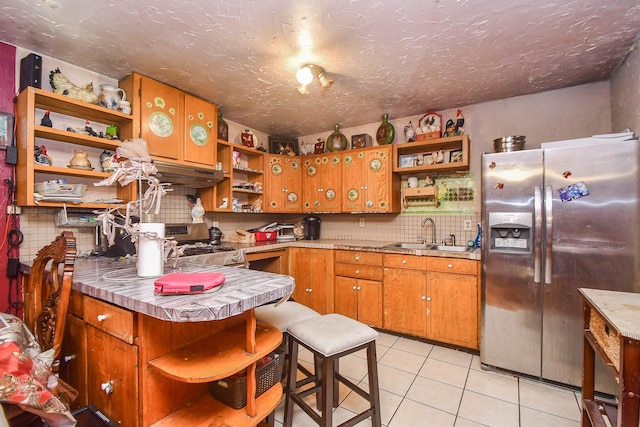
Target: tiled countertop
{"x": 117, "y": 282}
{"x": 359, "y": 245}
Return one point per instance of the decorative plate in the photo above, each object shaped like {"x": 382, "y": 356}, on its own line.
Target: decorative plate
{"x": 199, "y": 134}
{"x": 160, "y": 124}
{"x": 276, "y": 169}
{"x": 292, "y": 197}
{"x": 375, "y": 165}
{"x": 311, "y": 171}
{"x": 352, "y": 194}
{"x": 330, "y": 194}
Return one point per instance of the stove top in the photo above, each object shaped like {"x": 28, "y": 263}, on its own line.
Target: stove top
{"x": 203, "y": 248}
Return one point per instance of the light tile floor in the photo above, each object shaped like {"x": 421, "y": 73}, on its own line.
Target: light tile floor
{"x": 424, "y": 385}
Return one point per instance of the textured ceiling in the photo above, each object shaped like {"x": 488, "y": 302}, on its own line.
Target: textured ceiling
{"x": 399, "y": 57}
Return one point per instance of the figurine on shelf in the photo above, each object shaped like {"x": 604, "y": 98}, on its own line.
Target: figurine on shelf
{"x": 454, "y": 128}
{"x": 409, "y": 133}
{"x": 109, "y": 161}
{"x": 40, "y": 156}
{"x": 62, "y": 86}
{"x": 46, "y": 120}
{"x": 197, "y": 212}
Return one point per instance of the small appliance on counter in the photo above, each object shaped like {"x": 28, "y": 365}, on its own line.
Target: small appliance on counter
{"x": 311, "y": 225}
{"x": 285, "y": 233}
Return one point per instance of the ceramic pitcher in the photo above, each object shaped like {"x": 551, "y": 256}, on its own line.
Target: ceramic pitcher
{"x": 110, "y": 96}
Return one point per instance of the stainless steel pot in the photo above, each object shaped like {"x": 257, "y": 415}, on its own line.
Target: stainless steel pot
{"x": 509, "y": 143}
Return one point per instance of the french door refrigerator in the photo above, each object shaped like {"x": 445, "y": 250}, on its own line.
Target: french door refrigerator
{"x": 554, "y": 220}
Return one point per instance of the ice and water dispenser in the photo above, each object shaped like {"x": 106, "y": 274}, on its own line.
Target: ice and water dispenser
{"x": 511, "y": 232}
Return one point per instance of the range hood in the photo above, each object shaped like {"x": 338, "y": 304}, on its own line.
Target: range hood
{"x": 189, "y": 176}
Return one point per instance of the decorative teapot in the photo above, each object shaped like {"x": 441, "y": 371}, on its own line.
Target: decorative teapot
{"x": 110, "y": 96}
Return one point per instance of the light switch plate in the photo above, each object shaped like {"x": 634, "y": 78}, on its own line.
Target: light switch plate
{"x": 467, "y": 225}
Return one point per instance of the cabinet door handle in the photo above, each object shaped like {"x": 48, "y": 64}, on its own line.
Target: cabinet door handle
{"x": 449, "y": 266}
{"x": 358, "y": 287}
{"x": 404, "y": 261}
{"x": 355, "y": 288}
{"x": 69, "y": 358}
{"x": 423, "y": 298}
{"x": 309, "y": 290}
{"x": 102, "y": 317}
{"x": 357, "y": 271}
{"x": 107, "y": 387}
{"x": 429, "y": 299}
{"x": 357, "y": 258}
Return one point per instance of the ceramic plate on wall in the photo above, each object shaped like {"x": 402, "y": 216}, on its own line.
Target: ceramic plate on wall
{"x": 160, "y": 124}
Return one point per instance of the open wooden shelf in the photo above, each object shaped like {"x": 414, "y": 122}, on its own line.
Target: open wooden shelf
{"x": 216, "y": 357}
{"x": 208, "y": 411}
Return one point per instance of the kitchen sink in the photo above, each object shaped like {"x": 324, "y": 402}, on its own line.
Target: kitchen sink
{"x": 406, "y": 245}
{"x": 448, "y": 248}
{"x": 427, "y": 246}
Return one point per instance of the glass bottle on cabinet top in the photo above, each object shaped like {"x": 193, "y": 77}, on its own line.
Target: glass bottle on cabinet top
{"x": 336, "y": 141}
{"x": 386, "y": 132}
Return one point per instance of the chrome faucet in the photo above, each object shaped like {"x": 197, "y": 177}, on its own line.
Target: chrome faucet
{"x": 433, "y": 229}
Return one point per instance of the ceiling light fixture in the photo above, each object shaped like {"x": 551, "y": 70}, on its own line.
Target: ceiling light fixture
{"x": 305, "y": 75}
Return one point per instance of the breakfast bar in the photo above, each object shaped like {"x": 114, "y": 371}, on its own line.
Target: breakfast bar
{"x": 147, "y": 359}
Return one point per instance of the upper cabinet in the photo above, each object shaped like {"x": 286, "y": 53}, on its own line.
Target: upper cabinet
{"x": 321, "y": 182}
{"x": 368, "y": 184}
{"x": 200, "y": 130}
{"x": 441, "y": 155}
{"x": 177, "y": 126}
{"x": 74, "y": 131}
{"x": 283, "y": 184}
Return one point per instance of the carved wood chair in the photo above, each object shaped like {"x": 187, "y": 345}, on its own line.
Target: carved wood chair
{"x": 46, "y": 300}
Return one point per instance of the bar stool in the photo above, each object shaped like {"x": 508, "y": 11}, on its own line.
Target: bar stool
{"x": 329, "y": 338}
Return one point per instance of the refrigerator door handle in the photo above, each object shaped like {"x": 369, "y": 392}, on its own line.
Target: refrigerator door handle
{"x": 537, "y": 239}
{"x": 548, "y": 207}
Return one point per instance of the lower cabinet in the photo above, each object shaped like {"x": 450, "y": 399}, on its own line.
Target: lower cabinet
{"x": 358, "y": 286}
{"x": 141, "y": 371}
{"x": 112, "y": 376}
{"x": 405, "y": 288}
{"x": 452, "y": 301}
{"x": 432, "y": 297}
{"x": 313, "y": 271}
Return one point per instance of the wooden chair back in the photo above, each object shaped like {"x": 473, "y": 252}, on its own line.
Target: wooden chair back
{"x": 47, "y": 292}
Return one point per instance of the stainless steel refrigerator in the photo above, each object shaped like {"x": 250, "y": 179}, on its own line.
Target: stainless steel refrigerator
{"x": 554, "y": 220}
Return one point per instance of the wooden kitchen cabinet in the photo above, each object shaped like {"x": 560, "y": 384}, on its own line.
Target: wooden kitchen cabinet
{"x": 200, "y": 131}
{"x": 368, "y": 184}
{"x": 60, "y": 144}
{"x": 313, "y": 270}
{"x": 453, "y": 301}
{"x": 321, "y": 182}
{"x": 358, "y": 286}
{"x": 283, "y": 184}
{"x": 178, "y": 127}
{"x": 405, "y": 294}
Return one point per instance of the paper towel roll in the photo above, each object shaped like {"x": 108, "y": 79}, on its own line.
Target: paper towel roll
{"x": 151, "y": 251}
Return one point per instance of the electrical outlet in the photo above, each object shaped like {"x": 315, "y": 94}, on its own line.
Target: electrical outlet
{"x": 467, "y": 225}
{"x": 216, "y": 223}
{"x": 12, "y": 211}
{"x": 361, "y": 223}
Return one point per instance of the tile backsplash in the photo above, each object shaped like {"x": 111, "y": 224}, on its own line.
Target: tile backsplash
{"x": 39, "y": 229}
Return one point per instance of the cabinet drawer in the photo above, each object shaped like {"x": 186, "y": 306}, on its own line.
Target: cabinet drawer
{"x": 405, "y": 261}
{"x": 452, "y": 265}
{"x": 110, "y": 319}
{"x": 359, "y": 271}
{"x": 356, "y": 257}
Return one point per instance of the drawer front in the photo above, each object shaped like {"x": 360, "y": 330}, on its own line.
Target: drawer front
{"x": 452, "y": 265}
{"x": 110, "y": 319}
{"x": 405, "y": 261}
{"x": 359, "y": 271}
{"x": 607, "y": 338}
{"x": 356, "y": 257}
